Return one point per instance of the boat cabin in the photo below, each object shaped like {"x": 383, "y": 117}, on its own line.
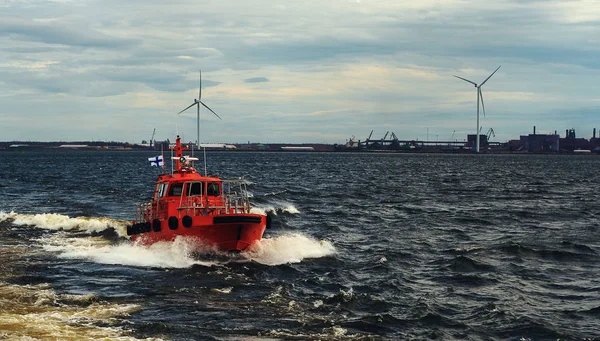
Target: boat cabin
{"x": 188, "y": 189}
{"x": 193, "y": 197}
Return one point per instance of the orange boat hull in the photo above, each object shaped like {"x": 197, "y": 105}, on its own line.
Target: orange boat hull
{"x": 226, "y": 232}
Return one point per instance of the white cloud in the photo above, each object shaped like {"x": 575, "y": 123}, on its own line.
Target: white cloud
{"x": 577, "y": 11}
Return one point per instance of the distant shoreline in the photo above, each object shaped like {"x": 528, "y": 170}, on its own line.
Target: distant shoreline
{"x": 274, "y": 148}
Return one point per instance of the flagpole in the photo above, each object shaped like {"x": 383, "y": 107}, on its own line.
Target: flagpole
{"x": 205, "y": 173}
{"x": 164, "y": 164}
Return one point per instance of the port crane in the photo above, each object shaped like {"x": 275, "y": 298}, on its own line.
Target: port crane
{"x": 368, "y": 139}
{"x": 490, "y": 133}
{"x": 152, "y": 138}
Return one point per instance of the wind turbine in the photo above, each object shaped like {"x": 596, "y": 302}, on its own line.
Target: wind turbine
{"x": 197, "y": 102}
{"x": 479, "y": 95}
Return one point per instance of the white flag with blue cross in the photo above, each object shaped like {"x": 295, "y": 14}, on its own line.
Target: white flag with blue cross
{"x": 156, "y": 161}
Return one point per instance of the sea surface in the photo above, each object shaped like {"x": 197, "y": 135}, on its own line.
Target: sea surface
{"x": 373, "y": 246}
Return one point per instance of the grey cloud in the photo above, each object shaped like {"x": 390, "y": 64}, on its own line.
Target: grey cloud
{"x": 33, "y": 49}
{"x": 167, "y": 54}
{"x": 256, "y": 80}
{"x": 158, "y": 79}
{"x": 60, "y": 33}
{"x": 315, "y": 50}
{"x": 105, "y": 81}
{"x": 65, "y": 82}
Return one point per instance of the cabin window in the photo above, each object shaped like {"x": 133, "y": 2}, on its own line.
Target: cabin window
{"x": 194, "y": 188}
{"x": 176, "y": 189}
{"x": 161, "y": 190}
{"x": 213, "y": 190}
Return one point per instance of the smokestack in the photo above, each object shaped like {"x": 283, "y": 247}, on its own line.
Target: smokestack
{"x": 566, "y": 133}
{"x": 555, "y": 132}
{"x": 533, "y": 130}
{"x": 594, "y": 132}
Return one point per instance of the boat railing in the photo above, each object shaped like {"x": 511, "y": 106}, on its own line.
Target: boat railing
{"x": 143, "y": 211}
{"x": 236, "y": 196}
{"x": 233, "y": 199}
{"x": 193, "y": 205}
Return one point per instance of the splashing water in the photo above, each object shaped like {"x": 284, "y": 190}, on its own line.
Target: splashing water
{"x": 176, "y": 254}
{"x": 282, "y": 207}
{"x": 290, "y": 248}
{"x": 182, "y": 252}
{"x": 53, "y": 221}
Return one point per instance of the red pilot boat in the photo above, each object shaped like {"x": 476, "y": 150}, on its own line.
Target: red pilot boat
{"x": 188, "y": 204}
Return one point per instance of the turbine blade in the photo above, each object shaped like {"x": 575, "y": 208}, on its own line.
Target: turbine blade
{"x": 206, "y": 106}
{"x": 482, "y": 105}
{"x": 466, "y": 80}
{"x": 490, "y": 76}
{"x": 200, "y": 87}
{"x": 191, "y": 105}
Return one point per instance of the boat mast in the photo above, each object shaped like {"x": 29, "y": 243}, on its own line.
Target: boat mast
{"x": 178, "y": 153}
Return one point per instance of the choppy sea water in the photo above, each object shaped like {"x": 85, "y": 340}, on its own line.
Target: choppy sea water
{"x": 363, "y": 247}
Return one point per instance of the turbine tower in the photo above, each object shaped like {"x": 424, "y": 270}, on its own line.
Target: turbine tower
{"x": 197, "y": 102}
{"x": 479, "y": 95}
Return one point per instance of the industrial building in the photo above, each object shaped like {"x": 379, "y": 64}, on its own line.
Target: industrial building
{"x": 536, "y": 143}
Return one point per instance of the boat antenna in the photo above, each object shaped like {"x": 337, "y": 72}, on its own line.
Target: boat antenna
{"x": 198, "y": 124}
{"x": 162, "y": 153}
{"x": 205, "y": 173}
{"x": 172, "y": 166}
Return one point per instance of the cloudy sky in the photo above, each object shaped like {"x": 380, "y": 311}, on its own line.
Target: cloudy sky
{"x": 296, "y": 71}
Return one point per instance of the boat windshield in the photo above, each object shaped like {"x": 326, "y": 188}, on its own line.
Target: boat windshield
{"x": 175, "y": 189}
{"x": 161, "y": 190}
{"x": 194, "y": 188}
{"x": 212, "y": 189}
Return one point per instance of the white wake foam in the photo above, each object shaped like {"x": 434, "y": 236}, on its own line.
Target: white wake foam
{"x": 176, "y": 254}
{"x": 53, "y": 221}
{"x": 282, "y": 207}
{"x": 290, "y": 248}
{"x": 180, "y": 253}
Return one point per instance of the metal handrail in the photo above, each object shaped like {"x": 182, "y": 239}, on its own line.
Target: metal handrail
{"x": 143, "y": 211}
{"x": 234, "y": 199}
